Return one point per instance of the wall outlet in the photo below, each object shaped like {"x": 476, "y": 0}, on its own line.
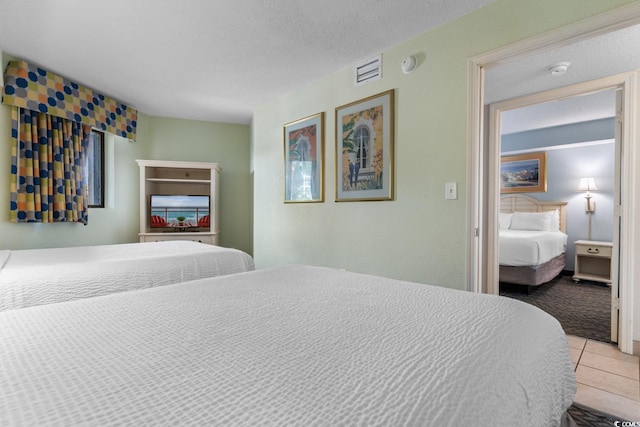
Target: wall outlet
{"x": 451, "y": 190}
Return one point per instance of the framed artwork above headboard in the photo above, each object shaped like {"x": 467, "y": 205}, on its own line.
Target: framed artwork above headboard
{"x": 523, "y": 173}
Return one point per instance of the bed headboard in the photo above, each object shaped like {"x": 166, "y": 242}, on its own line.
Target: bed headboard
{"x": 510, "y": 203}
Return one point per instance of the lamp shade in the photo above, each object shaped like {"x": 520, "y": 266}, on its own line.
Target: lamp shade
{"x": 587, "y": 184}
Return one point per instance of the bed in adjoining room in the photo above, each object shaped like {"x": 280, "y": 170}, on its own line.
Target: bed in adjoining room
{"x": 291, "y": 345}
{"x": 532, "y": 240}
{"x": 31, "y": 277}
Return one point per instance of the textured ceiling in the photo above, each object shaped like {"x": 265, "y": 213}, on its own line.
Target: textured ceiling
{"x": 606, "y": 55}
{"x": 576, "y": 109}
{"x": 210, "y": 60}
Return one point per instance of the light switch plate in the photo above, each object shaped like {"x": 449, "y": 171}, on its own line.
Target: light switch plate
{"x": 451, "y": 190}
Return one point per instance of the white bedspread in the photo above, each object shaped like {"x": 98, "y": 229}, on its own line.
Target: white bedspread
{"x": 524, "y": 247}
{"x": 44, "y": 276}
{"x": 297, "y": 346}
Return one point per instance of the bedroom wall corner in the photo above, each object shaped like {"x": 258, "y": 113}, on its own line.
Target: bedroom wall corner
{"x": 227, "y": 144}
{"x": 159, "y": 138}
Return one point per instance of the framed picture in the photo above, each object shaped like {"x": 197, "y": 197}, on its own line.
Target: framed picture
{"x": 364, "y": 149}
{"x": 525, "y": 173}
{"x": 303, "y": 160}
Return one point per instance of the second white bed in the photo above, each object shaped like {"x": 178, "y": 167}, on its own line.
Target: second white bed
{"x": 44, "y": 276}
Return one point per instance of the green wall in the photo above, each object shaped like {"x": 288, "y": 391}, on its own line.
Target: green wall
{"x": 225, "y": 144}
{"x": 420, "y": 236}
{"x": 159, "y": 139}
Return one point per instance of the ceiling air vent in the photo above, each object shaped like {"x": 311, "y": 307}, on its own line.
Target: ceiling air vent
{"x": 368, "y": 71}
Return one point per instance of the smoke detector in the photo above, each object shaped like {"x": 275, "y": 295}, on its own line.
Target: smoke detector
{"x": 559, "y": 68}
{"x": 409, "y": 63}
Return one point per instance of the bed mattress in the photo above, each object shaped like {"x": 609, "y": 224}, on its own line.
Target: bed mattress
{"x": 286, "y": 346}
{"x": 44, "y": 276}
{"x": 524, "y": 247}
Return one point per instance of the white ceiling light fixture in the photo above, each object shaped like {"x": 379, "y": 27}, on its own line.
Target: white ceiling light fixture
{"x": 409, "y": 63}
{"x": 559, "y": 68}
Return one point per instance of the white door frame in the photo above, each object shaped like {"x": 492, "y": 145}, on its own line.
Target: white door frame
{"x": 482, "y": 197}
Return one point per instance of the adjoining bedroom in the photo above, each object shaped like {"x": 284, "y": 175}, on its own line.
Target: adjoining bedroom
{"x": 275, "y": 214}
{"x": 568, "y": 148}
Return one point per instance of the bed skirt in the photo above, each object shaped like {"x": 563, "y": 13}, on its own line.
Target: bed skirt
{"x": 533, "y": 275}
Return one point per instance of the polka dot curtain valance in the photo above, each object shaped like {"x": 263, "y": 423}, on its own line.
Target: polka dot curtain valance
{"x": 31, "y": 87}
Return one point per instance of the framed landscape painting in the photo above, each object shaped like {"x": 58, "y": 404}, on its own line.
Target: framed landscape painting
{"x": 524, "y": 173}
{"x": 364, "y": 149}
{"x": 303, "y": 160}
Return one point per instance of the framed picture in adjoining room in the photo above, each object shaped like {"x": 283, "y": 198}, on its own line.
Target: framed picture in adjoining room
{"x": 303, "y": 160}
{"x": 364, "y": 149}
{"x": 524, "y": 173}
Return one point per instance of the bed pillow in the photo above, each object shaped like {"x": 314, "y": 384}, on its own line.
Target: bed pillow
{"x": 504, "y": 221}
{"x": 535, "y": 221}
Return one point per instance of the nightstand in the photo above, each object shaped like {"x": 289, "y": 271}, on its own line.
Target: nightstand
{"x": 593, "y": 261}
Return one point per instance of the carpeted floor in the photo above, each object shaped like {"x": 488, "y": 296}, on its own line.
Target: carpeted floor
{"x": 583, "y": 309}
{"x": 585, "y": 417}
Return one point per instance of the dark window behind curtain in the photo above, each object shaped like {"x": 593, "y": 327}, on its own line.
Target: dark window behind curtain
{"x": 94, "y": 172}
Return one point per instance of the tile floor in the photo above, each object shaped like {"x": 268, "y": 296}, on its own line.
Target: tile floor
{"x": 608, "y": 380}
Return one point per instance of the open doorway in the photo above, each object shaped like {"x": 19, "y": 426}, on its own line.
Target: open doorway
{"x": 576, "y": 137}
{"x": 484, "y": 179}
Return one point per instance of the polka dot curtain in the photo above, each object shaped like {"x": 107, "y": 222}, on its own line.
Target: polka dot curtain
{"x": 51, "y": 120}
{"x": 31, "y": 87}
{"x": 47, "y": 157}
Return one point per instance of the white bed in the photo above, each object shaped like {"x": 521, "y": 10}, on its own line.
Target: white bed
{"x": 44, "y": 276}
{"x": 532, "y": 240}
{"x": 529, "y": 247}
{"x": 287, "y": 346}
